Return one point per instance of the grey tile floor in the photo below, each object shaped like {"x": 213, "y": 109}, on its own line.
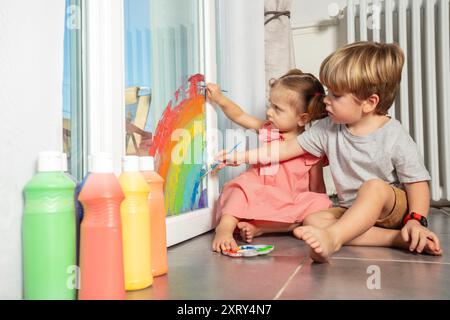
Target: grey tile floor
{"x": 195, "y": 272}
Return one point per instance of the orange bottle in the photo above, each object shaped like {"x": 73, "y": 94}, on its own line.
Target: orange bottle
{"x": 157, "y": 215}
{"x": 101, "y": 255}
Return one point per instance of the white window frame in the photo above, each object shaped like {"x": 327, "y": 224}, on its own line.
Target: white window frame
{"x": 105, "y": 91}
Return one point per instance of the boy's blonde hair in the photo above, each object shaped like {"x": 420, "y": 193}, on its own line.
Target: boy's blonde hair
{"x": 363, "y": 69}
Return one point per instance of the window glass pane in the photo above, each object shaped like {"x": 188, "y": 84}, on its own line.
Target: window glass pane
{"x": 165, "y": 107}
{"x": 138, "y": 74}
{"x": 72, "y": 89}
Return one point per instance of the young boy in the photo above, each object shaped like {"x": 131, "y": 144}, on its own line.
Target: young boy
{"x": 380, "y": 178}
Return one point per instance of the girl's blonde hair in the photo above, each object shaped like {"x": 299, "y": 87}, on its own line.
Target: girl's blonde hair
{"x": 310, "y": 92}
{"x": 363, "y": 69}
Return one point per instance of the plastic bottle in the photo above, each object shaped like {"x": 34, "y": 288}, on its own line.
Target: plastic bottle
{"x": 101, "y": 256}
{"x": 135, "y": 226}
{"x": 157, "y": 215}
{"x": 49, "y": 232}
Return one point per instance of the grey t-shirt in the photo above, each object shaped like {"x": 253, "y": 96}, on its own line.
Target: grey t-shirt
{"x": 389, "y": 154}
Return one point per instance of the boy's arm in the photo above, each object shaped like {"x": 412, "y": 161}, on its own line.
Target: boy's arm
{"x": 313, "y": 141}
{"x": 316, "y": 183}
{"x": 411, "y": 171}
{"x": 274, "y": 152}
{"x": 418, "y": 195}
{"x": 231, "y": 109}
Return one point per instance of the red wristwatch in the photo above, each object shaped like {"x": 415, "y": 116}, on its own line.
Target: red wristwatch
{"x": 415, "y": 216}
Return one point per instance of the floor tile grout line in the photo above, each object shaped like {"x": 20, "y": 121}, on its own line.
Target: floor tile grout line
{"x": 444, "y": 211}
{"x": 279, "y": 293}
{"x": 391, "y": 260}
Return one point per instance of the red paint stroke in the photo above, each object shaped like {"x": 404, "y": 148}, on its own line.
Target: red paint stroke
{"x": 170, "y": 121}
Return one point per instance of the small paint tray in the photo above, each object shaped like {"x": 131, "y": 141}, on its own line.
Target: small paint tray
{"x": 249, "y": 251}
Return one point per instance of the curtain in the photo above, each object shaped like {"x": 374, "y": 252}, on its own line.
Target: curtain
{"x": 279, "y": 46}
{"x": 240, "y": 64}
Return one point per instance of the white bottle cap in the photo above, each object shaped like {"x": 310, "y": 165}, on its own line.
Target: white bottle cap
{"x": 130, "y": 164}
{"x": 50, "y": 161}
{"x": 146, "y": 164}
{"x": 101, "y": 162}
{"x": 64, "y": 162}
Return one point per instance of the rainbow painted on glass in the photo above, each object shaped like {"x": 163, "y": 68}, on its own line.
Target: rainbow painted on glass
{"x": 183, "y": 189}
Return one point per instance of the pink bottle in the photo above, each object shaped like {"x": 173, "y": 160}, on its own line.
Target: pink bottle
{"x": 101, "y": 255}
{"x": 157, "y": 215}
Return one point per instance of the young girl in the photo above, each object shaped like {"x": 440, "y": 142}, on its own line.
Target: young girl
{"x": 273, "y": 198}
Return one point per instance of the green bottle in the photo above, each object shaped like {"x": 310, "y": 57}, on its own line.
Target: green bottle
{"x": 49, "y": 233}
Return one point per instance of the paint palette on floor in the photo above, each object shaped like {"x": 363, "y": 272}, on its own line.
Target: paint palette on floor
{"x": 248, "y": 251}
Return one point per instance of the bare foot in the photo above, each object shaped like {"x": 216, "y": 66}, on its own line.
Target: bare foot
{"x": 248, "y": 231}
{"x": 319, "y": 240}
{"x": 223, "y": 240}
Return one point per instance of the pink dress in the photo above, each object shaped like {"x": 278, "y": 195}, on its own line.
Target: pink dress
{"x": 273, "y": 192}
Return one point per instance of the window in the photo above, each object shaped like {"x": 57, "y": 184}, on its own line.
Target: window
{"x": 72, "y": 90}
{"x": 144, "y": 61}
{"x": 165, "y": 106}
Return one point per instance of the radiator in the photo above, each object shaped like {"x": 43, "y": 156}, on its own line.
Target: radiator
{"x": 421, "y": 27}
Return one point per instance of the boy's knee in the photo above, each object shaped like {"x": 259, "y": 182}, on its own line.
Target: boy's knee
{"x": 376, "y": 187}
{"x": 375, "y": 184}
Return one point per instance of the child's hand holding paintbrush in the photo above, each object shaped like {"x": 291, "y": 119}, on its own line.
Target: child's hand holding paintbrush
{"x": 219, "y": 165}
{"x": 215, "y": 95}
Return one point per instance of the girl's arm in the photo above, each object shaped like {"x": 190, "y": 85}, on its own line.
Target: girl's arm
{"x": 316, "y": 183}
{"x": 232, "y": 110}
{"x": 274, "y": 152}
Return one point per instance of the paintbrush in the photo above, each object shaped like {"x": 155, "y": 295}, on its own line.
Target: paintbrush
{"x": 203, "y": 86}
{"x": 219, "y": 162}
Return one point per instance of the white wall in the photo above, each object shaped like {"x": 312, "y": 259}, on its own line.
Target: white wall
{"x": 31, "y": 61}
{"x": 315, "y": 34}
{"x": 306, "y": 11}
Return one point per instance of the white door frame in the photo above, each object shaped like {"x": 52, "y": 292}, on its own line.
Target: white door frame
{"x": 105, "y": 92}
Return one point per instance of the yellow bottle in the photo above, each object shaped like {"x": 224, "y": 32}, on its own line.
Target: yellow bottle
{"x": 136, "y": 227}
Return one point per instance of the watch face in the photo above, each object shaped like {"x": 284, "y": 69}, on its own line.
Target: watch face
{"x": 424, "y": 222}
